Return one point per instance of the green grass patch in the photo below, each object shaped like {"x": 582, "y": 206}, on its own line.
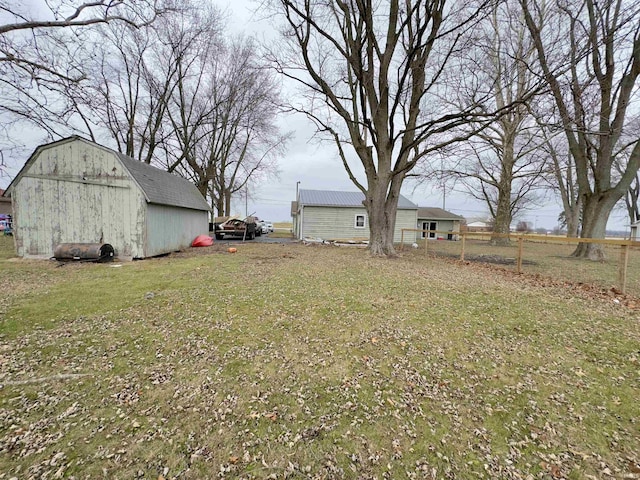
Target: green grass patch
{"x": 328, "y": 364}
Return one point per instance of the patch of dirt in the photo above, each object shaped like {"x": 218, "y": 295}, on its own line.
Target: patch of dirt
{"x": 199, "y": 251}
{"x": 494, "y": 259}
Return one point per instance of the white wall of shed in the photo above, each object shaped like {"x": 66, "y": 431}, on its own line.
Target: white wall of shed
{"x": 77, "y": 193}
{"x": 172, "y": 228}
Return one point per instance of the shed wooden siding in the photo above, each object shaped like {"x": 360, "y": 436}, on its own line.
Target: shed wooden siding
{"x": 331, "y": 223}
{"x": 172, "y": 228}
{"x": 68, "y": 195}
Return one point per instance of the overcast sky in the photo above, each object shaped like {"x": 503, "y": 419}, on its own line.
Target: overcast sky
{"x": 317, "y": 166}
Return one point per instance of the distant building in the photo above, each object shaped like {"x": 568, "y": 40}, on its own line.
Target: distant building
{"x": 479, "y": 226}
{"x": 76, "y": 191}
{"x": 332, "y": 215}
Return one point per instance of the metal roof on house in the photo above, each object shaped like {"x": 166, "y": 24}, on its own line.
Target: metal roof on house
{"x": 435, "y": 213}
{"x": 328, "y": 198}
{"x": 162, "y": 187}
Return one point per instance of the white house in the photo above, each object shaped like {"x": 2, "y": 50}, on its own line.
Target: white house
{"x": 333, "y": 215}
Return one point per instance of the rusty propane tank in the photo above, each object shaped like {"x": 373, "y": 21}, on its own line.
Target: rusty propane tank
{"x": 88, "y": 252}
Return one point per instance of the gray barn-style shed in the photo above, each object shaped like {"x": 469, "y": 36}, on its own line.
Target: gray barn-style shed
{"x": 333, "y": 215}
{"x": 76, "y": 191}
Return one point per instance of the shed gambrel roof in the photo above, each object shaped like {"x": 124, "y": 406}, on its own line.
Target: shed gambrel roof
{"x": 158, "y": 186}
{"x": 435, "y": 213}
{"x": 329, "y": 198}
{"x": 162, "y": 187}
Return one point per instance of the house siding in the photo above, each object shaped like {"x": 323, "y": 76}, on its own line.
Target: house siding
{"x": 172, "y": 228}
{"x": 336, "y": 223}
{"x": 443, "y": 225}
{"x": 405, "y": 219}
{"x": 76, "y": 192}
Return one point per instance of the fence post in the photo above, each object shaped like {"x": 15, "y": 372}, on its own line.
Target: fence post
{"x": 622, "y": 267}
{"x": 426, "y": 244}
{"x": 520, "y": 243}
{"x": 402, "y": 240}
{"x": 464, "y": 236}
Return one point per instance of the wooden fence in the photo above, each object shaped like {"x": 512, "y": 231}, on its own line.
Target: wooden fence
{"x": 625, "y": 245}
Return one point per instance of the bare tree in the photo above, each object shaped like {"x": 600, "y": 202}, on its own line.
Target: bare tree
{"x": 563, "y": 178}
{"x": 630, "y": 199}
{"x": 507, "y": 184}
{"x": 38, "y": 53}
{"x": 225, "y": 126}
{"x": 500, "y": 164}
{"x": 590, "y": 56}
{"x": 132, "y": 74}
{"x": 370, "y": 72}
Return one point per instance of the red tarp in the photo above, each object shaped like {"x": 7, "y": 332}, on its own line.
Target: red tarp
{"x": 202, "y": 241}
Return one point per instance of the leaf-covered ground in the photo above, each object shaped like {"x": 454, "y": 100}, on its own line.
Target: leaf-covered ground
{"x": 311, "y": 362}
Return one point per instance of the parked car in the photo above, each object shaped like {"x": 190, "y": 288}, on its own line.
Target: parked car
{"x": 269, "y": 226}
{"x": 235, "y": 227}
{"x": 260, "y": 227}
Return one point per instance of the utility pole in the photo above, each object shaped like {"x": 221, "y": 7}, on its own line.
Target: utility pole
{"x": 246, "y": 200}
{"x": 444, "y": 183}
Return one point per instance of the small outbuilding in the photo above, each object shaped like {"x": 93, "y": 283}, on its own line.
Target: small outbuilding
{"x": 334, "y": 215}
{"x": 76, "y": 191}
{"x": 446, "y": 223}
{"x": 479, "y": 226}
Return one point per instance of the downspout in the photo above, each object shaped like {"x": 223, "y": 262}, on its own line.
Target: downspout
{"x": 301, "y": 229}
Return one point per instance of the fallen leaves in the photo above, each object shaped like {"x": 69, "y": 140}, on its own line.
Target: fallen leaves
{"x": 351, "y": 367}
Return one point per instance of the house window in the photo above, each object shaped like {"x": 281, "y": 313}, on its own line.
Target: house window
{"x": 360, "y": 221}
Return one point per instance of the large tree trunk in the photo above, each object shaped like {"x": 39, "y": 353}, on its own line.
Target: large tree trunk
{"x": 597, "y": 209}
{"x": 502, "y": 220}
{"x": 227, "y": 202}
{"x": 572, "y": 216}
{"x": 202, "y": 187}
{"x": 381, "y": 209}
{"x": 220, "y": 205}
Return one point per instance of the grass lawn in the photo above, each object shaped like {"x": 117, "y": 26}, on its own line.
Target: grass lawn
{"x": 329, "y": 364}
{"x": 281, "y": 234}
{"x": 283, "y": 225}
